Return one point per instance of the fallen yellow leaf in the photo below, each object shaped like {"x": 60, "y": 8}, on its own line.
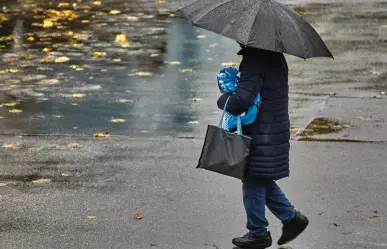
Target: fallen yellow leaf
{"x": 114, "y": 12}
{"x": 160, "y": 1}
{"x": 48, "y": 82}
{"x": 76, "y": 67}
{"x": 201, "y": 36}
{"x": 34, "y": 148}
{"x": 139, "y": 216}
{"x": 74, "y": 145}
{"x": 196, "y": 99}
{"x": 78, "y": 95}
{"x": 29, "y": 56}
{"x": 118, "y": 120}
{"x": 163, "y": 10}
{"x": 193, "y": 122}
{"x": 363, "y": 118}
{"x": 62, "y": 59}
{"x": 74, "y": 104}
{"x": 229, "y": 64}
{"x": 143, "y": 74}
{"x": 64, "y": 174}
{"x": 101, "y": 135}
{"x": 154, "y": 55}
{"x": 117, "y": 60}
{"x": 12, "y": 70}
{"x": 124, "y": 101}
{"x": 92, "y": 217}
{"x": 42, "y": 181}
{"x": 63, "y": 5}
{"x": 3, "y": 184}
{"x": 35, "y": 24}
{"x": 99, "y": 54}
{"x": 174, "y": 63}
{"x": 122, "y": 40}
{"x": 85, "y": 21}
{"x": 10, "y": 146}
{"x": 52, "y": 147}
{"x": 371, "y": 219}
{"x": 36, "y": 10}
{"x": 31, "y": 38}
{"x": 15, "y": 110}
{"x": 55, "y": 15}
{"x": 10, "y": 104}
{"x": 172, "y": 15}
{"x": 2, "y": 18}
{"x": 132, "y": 18}
{"x": 186, "y": 70}
{"x": 83, "y": 7}
{"x": 97, "y": 3}
{"x": 48, "y": 23}
{"x": 7, "y": 60}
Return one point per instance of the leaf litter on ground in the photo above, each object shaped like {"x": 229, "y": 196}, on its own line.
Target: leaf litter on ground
{"x": 10, "y": 146}
{"x": 74, "y": 145}
{"x": 138, "y": 216}
{"x": 118, "y": 120}
{"x": 173, "y": 62}
{"x": 125, "y": 101}
{"x": 78, "y": 95}
{"x": 101, "y": 135}
{"x": 122, "y": 40}
{"x": 186, "y": 70}
{"x": 43, "y": 180}
{"x": 141, "y": 74}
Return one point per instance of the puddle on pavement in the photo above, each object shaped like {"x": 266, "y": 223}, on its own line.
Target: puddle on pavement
{"x": 70, "y": 65}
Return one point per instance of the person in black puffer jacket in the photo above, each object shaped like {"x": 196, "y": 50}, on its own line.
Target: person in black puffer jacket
{"x": 265, "y": 72}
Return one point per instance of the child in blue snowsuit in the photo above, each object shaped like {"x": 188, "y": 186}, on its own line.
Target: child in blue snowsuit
{"x": 227, "y": 83}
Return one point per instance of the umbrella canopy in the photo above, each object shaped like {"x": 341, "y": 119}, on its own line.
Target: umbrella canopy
{"x": 264, "y": 24}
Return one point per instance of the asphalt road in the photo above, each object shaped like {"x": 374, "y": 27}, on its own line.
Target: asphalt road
{"x": 340, "y": 186}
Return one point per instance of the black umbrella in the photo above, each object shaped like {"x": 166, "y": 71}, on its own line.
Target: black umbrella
{"x": 265, "y": 24}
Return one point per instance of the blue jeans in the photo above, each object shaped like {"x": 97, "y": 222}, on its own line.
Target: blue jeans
{"x": 258, "y": 195}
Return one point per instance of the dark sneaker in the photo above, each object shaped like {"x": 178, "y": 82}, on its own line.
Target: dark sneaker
{"x": 253, "y": 241}
{"x": 293, "y": 228}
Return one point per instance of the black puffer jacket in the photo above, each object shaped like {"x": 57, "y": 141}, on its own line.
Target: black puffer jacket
{"x": 264, "y": 72}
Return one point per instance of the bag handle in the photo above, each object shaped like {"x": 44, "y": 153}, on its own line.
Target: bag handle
{"x": 239, "y": 123}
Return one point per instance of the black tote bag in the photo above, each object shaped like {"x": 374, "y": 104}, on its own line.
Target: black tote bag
{"x": 225, "y": 152}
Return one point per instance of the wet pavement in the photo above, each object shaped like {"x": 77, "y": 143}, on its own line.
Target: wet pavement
{"x": 133, "y": 69}
{"x": 74, "y": 77}
{"x": 339, "y": 186}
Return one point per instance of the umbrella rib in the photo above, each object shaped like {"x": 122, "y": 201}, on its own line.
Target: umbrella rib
{"x": 294, "y": 27}
{"x": 183, "y": 7}
{"x": 252, "y": 26}
{"x": 213, "y": 9}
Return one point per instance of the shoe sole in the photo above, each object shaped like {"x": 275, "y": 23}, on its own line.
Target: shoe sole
{"x": 290, "y": 240}
{"x": 251, "y": 246}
